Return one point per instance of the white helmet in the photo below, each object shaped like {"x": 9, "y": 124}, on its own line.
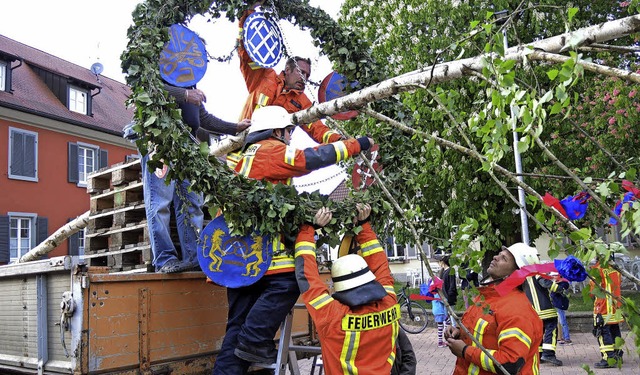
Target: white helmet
{"x": 270, "y": 117}
{"x": 350, "y": 271}
{"x": 524, "y": 254}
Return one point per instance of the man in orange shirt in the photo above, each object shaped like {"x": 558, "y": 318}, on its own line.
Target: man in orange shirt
{"x": 284, "y": 89}
{"x": 506, "y": 325}
{"x": 607, "y": 317}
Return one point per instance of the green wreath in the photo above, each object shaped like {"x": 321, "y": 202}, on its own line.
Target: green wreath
{"x": 247, "y": 205}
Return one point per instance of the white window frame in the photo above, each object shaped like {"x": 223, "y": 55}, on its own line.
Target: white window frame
{"x": 3, "y": 76}
{"x": 78, "y": 99}
{"x": 15, "y": 242}
{"x": 83, "y": 167}
{"x": 35, "y": 155}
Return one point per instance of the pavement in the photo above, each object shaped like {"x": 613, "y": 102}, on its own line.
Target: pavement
{"x": 434, "y": 360}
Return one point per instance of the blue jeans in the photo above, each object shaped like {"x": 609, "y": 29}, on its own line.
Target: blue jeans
{"x": 158, "y": 197}
{"x": 255, "y": 314}
{"x": 562, "y": 319}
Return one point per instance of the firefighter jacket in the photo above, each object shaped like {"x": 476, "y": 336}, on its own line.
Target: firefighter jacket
{"x": 266, "y": 87}
{"x": 272, "y": 160}
{"x": 608, "y": 306}
{"x": 508, "y": 327}
{"x": 360, "y": 340}
{"x": 537, "y": 289}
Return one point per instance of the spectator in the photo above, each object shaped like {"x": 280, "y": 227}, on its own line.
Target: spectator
{"x": 607, "y": 317}
{"x": 506, "y": 325}
{"x": 357, "y": 325}
{"x": 450, "y": 291}
{"x": 268, "y": 157}
{"x": 286, "y": 89}
{"x": 187, "y": 204}
{"x": 561, "y": 303}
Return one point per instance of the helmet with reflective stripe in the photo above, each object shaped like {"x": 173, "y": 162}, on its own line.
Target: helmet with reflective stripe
{"x": 269, "y": 118}
{"x": 350, "y": 271}
{"x": 524, "y": 254}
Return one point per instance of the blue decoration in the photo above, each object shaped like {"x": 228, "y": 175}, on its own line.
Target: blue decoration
{"x": 576, "y": 206}
{"x": 571, "y": 268}
{"x": 332, "y": 87}
{"x": 232, "y": 261}
{"x": 262, "y": 40}
{"x": 183, "y": 61}
{"x": 628, "y": 197}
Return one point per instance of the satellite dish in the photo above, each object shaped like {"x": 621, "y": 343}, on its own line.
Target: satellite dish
{"x": 97, "y": 68}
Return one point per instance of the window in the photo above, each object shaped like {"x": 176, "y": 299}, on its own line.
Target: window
{"x": 85, "y": 159}
{"x": 3, "y": 76}
{"x": 86, "y": 162}
{"x": 78, "y": 99}
{"x": 20, "y": 236}
{"x": 23, "y": 154}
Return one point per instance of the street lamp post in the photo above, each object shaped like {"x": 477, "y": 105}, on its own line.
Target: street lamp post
{"x": 501, "y": 18}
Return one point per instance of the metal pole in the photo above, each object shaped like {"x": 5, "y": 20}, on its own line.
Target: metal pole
{"x": 521, "y": 197}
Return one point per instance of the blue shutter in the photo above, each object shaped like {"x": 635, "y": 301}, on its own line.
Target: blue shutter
{"x": 42, "y": 229}
{"x": 104, "y": 159}
{"x": 23, "y": 154}
{"x": 73, "y": 242}
{"x": 4, "y": 239}
{"x": 72, "y": 167}
{"x": 16, "y": 168}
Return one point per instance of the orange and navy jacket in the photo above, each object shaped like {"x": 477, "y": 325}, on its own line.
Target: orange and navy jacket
{"x": 266, "y": 87}
{"x": 537, "y": 289}
{"x": 359, "y": 340}
{"x": 508, "y": 327}
{"x": 608, "y": 306}
{"x": 272, "y": 160}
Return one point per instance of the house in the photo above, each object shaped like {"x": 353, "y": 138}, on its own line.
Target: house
{"x": 58, "y": 123}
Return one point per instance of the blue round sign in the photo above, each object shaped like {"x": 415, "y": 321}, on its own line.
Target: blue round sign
{"x": 262, "y": 40}
{"x": 334, "y": 86}
{"x": 232, "y": 261}
{"x": 183, "y": 61}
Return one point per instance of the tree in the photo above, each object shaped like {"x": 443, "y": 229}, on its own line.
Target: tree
{"x": 444, "y": 119}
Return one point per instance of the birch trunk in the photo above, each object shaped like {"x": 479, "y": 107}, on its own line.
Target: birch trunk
{"x": 457, "y": 69}
{"x": 56, "y": 238}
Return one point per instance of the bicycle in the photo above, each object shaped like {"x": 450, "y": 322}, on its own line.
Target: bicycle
{"x": 413, "y": 316}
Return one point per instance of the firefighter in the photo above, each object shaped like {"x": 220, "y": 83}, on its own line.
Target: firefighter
{"x": 538, "y": 289}
{"x": 607, "y": 317}
{"x": 506, "y": 325}
{"x": 285, "y": 89}
{"x": 256, "y": 311}
{"x": 358, "y": 324}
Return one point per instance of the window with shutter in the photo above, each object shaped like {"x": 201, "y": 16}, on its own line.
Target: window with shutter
{"x": 23, "y": 154}
{"x": 21, "y": 234}
{"x": 84, "y": 159}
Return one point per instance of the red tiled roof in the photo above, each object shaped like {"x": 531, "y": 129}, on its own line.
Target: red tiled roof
{"x": 31, "y": 94}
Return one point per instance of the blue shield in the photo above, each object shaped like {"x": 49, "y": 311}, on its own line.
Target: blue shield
{"x": 183, "y": 61}
{"x": 262, "y": 40}
{"x": 334, "y": 86}
{"x": 232, "y": 261}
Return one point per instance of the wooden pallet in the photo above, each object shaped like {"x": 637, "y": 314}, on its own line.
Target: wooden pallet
{"x": 118, "y": 197}
{"x": 132, "y": 257}
{"x": 115, "y": 175}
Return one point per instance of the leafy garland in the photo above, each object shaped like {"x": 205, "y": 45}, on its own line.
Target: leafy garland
{"x": 247, "y": 205}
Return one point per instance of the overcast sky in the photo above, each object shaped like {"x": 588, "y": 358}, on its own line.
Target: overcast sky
{"x": 89, "y": 31}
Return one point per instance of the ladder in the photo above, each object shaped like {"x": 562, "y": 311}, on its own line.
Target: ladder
{"x": 286, "y": 351}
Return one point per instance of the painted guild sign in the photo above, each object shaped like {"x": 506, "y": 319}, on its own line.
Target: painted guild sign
{"x": 183, "y": 61}
{"x": 262, "y": 40}
{"x": 232, "y": 261}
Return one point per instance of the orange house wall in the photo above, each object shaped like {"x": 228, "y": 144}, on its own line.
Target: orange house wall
{"x": 52, "y": 196}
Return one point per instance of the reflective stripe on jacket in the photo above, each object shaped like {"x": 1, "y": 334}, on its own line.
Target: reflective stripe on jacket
{"x": 607, "y": 306}
{"x": 537, "y": 290}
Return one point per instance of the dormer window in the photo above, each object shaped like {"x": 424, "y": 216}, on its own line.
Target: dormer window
{"x": 3, "y": 76}
{"x": 78, "y": 99}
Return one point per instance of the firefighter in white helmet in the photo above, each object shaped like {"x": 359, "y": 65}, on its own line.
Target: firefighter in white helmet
{"x": 505, "y": 324}
{"x": 537, "y": 289}
{"x": 358, "y": 324}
